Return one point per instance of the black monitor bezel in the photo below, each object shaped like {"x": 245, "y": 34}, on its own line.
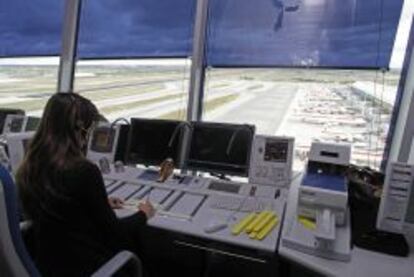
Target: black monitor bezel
{"x": 197, "y": 124}
{"x": 153, "y": 162}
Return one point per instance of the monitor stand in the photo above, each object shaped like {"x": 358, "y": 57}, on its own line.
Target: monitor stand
{"x": 221, "y": 176}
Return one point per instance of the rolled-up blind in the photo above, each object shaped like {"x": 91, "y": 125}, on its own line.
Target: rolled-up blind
{"x": 30, "y": 28}
{"x": 136, "y": 28}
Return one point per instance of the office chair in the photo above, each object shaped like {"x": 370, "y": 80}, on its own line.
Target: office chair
{"x": 15, "y": 261}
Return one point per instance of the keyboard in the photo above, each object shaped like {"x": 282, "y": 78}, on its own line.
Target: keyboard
{"x": 231, "y": 203}
{"x": 224, "y": 186}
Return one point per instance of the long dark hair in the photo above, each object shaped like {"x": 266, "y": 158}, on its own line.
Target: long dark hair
{"x": 57, "y": 145}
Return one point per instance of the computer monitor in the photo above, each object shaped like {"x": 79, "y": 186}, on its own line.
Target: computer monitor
{"x": 220, "y": 148}
{"x": 4, "y": 113}
{"x": 32, "y": 123}
{"x": 396, "y": 212}
{"x": 151, "y": 141}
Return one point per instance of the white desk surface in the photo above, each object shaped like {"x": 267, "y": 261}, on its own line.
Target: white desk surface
{"x": 363, "y": 263}
{"x": 196, "y": 226}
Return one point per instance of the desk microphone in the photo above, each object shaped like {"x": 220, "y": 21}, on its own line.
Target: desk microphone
{"x": 234, "y": 135}
{"x": 104, "y": 165}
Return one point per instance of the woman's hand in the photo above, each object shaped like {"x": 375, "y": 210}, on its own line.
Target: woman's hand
{"x": 115, "y": 202}
{"x": 147, "y": 208}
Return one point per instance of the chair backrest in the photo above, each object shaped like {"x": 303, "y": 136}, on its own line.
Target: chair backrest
{"x": 15, "y": 258}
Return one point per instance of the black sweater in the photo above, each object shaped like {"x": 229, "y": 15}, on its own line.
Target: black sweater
{"x": 76, "y": 236}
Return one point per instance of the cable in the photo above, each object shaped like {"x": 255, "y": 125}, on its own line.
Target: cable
{"x": 118, "y": 120}
{"x": 377, "y": 60}
{"x": 379, "y": 117}
{"x": 177, "y": 129}
{"x": 233, "y": 137}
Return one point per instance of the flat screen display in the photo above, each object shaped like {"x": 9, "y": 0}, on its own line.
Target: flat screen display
{"x": 151, "y": 141}
{"x": 220, "y": 148}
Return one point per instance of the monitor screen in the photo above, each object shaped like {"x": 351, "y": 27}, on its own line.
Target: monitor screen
{"x": 220, "y": 148}
{"x": 151, "y": 141}
{"x": 32, "y": 123}
{"x": 103, "y": 139}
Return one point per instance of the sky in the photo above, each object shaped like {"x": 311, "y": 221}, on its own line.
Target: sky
{"x": 317, "y": 32}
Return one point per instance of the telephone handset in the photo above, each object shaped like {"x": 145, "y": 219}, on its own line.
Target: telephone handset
{"x": 271, "y": 160}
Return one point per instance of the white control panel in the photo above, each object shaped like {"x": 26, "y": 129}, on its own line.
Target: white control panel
{"x": 17, "y": 145}
{"x": 14, "y": 123}
{"x": 271, "y": 160}
{"x": 103, "y": 142}
{"x": 396, "y": 213}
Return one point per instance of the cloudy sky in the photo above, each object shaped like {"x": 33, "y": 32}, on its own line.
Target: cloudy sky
{"x": 282, "y": 32}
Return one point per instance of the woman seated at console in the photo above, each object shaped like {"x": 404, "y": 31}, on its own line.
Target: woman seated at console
{"x": 63, "y": 194}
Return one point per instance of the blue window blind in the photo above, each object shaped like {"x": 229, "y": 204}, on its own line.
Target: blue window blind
{"x": 30, "y": 28}
{"x": 303, "y": 33}
{"x": 136, "y": 28}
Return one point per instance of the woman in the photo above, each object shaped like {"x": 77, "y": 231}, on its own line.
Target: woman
{"x": 63, "y": 194}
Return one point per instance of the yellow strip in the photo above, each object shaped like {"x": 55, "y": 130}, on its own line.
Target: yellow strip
{"x": 239, "y": 227}
{"x": 256, "y": 221}
{"x": 252, "y": 234}
{"x": 267, "y": 229}
{"x": 307, "y": 223}
{"x": 269, "y": 216}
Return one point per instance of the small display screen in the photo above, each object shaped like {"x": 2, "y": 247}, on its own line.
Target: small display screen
{"x": 276, "y": 151}
{"x": 329, "y": 154}
{"x": 103, "y": 139}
